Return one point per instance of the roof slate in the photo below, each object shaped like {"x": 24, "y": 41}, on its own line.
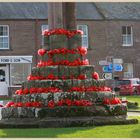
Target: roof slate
{"x": 23, "y": 10}
{"x": 84, "y": 10}
{"x": 120, "y": 10}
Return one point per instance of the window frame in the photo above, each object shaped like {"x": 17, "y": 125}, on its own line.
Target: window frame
{"x": 5, "y": 36}
{"x": 11, "y": 74}
{"x": 42, "y": 37}
{"x": 127, "y": 35}
{"x": 84, "y": 35}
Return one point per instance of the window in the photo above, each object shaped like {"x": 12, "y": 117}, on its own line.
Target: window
{"x": 4, "y": 37}
{"x": 128, "y": 70}
{"x": 84, "y": 28}
{"x": 44, "y": 27}
{"x": 19, "y": 73}
{"x": 127, "y": 36}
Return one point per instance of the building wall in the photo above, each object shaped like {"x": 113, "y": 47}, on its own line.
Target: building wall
{"x": 105, "y": 39}
{"x": 22, "y": 37}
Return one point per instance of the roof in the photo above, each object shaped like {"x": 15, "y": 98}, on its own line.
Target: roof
{"x": 87, "y": 11}
{"x": 120, "y": 10}
{"x": 84, "y": 10}
{"x": 21, "y": 10}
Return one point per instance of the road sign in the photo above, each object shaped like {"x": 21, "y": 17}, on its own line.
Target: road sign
{"x": 106, "y": 69}
{"x": 117, "y": 67}
{"x": 117, "y": 61}
{"x": 103, "y": 62}
{"x": 107, "y": 76}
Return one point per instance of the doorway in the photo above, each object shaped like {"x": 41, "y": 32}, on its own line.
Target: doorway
{"x": 4, "y": 79}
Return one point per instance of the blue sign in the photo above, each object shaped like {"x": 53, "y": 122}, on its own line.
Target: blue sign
{"x": 106, "y": 69}
{"x": 117, "y": 67}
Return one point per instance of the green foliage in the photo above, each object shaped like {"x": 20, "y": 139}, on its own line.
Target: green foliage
{"x": 132, "y": 105}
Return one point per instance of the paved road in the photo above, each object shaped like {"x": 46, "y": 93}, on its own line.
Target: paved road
{"x": 133, "y": 113}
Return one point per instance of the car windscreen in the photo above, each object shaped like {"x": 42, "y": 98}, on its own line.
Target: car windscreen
{"x": 123, "y": 82}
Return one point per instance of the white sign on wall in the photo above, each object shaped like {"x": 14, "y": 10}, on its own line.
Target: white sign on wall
{"x": 103, "y": 62}
{"x": 117, "y": 60}
{"x": 15, "y": 59}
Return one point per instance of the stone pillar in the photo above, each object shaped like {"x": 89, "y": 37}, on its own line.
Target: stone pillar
{"x": 61, "y": 15}
{"x": 55, "y": 15}
{"x": 69, "y": 14}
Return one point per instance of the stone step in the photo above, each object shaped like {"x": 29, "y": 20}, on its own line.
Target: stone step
{"x": 55, "y": 122}
{"x": 64, "y": 85}
{"x": 46, "y": 97}
{"x": 61, "y": 71}
{"x": 63, "y": 111}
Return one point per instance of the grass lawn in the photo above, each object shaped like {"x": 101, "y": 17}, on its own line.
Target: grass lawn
{"x": 114, "y": 131}
{"x": 133, "y": 98}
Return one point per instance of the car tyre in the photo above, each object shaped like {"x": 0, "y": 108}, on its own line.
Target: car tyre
{"x": 135, "y": 92}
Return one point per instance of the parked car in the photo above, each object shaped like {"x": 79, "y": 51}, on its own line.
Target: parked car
{"x": 128, "y": 86}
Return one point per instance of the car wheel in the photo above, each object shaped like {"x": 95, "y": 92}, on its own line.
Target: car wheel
{"x": 135, "y": 92}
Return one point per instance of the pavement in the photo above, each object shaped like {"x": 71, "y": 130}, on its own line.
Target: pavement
{"x": 133, "y": 113}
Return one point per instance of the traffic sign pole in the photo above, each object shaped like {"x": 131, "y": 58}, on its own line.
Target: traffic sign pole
{"x": 113, "y": 73}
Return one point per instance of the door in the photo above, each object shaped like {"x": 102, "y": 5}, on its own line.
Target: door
{"x": 4, "y": 80}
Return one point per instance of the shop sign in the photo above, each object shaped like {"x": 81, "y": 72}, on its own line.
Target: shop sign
{"x": 15, "y": 59}
{"x": 103, "y": 62}
{"x": 117, "y": 61}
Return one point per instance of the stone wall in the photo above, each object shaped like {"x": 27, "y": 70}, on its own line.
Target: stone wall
{"x": 104, "y": 40}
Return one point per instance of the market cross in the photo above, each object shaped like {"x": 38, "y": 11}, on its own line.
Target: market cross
{"x": 61, "y": 15}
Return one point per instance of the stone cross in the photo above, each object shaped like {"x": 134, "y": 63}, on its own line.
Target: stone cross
{"x": 61, "y": 15}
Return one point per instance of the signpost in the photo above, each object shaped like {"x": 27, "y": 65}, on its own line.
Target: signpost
{"x": 110, "y": 66}
{"x": 106, "y": 69}
{"x": 117, "y": 67}
{"x": 107, "y": 76}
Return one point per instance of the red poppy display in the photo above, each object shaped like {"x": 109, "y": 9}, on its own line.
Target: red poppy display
{"x": 51, "y": 104}
{"x": 76, "y": 62}
{"x": 61, "y": 31}
{"x": 82, "y": 77}
{"x": 9, "y": 104}
{"x": 91, "y": 88}
{"x": 63, "y": 51}
{"x": 95, "y": 75}
{"x": 82, "y": 50}
{"x": 25, "y": 91}
{"x": 41, "y": 52}
{"x": 112, "y": 101}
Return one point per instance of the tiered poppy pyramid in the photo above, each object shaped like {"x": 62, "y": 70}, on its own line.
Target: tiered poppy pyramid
{"x": 63, "y": 89}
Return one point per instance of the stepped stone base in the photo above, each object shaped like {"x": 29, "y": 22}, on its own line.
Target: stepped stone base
{"x": 54, "y": 122}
